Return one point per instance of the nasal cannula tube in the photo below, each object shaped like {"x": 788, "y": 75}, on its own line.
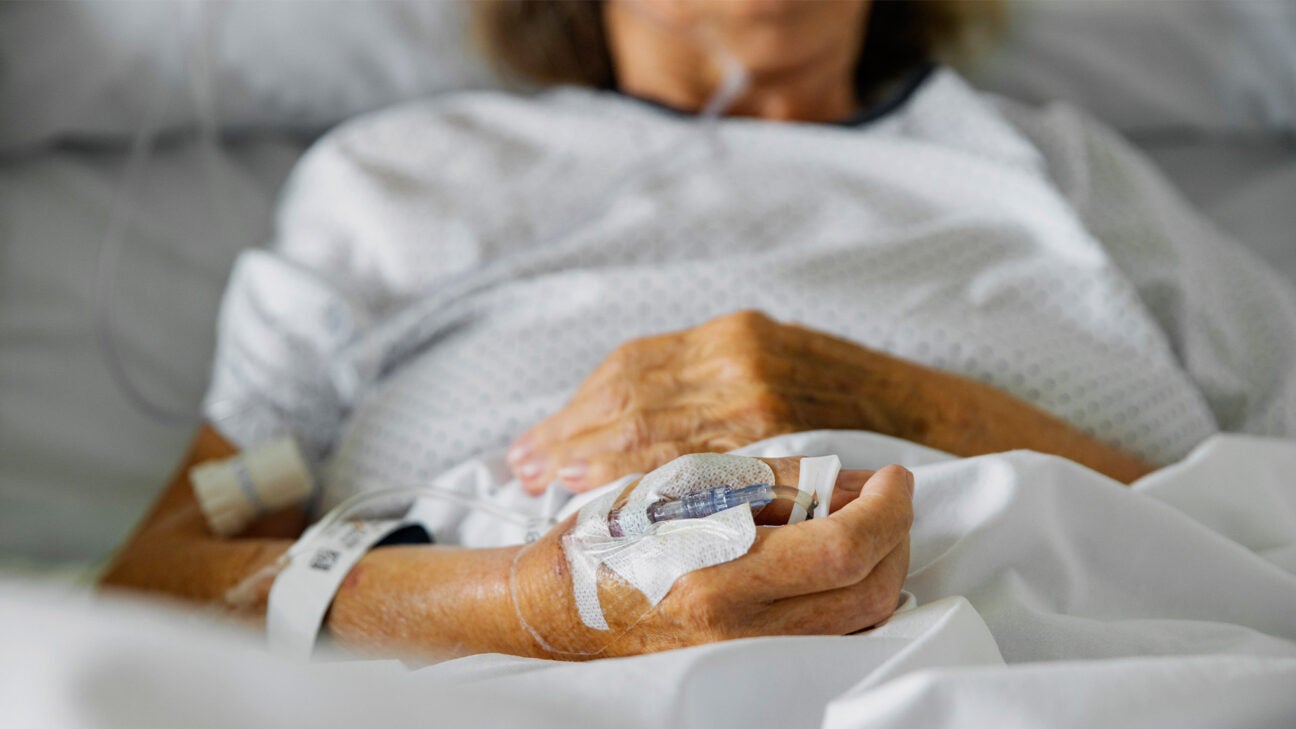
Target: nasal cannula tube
{"x": 704, "y": 503}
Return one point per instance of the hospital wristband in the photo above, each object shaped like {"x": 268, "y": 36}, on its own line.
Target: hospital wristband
{"x": 304, "y": 589}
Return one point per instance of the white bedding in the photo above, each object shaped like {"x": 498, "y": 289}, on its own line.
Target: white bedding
{"x": 1047, "y": 595}
{"x": 1177, "y": 612}
{"x": 74, "y": 452}
{"x": 1179, "y": 615}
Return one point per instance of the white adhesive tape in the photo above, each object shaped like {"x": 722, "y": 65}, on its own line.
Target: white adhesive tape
{"x": 234, "y": 491}
{"x": 661, "y": 553}
{"x": 818, "y": 475}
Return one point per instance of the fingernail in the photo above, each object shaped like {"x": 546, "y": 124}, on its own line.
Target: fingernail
{"x": 573, "y": 473}
{"x": 529, "y": 469}
{"x": 909, "y": 479}
{"x": 519, "y": 451}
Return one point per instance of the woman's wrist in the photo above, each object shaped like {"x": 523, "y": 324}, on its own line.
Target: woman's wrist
{"x": 430, "y": 602}
{"x": 906, "y": 400}
{"x": 968, "y": 418}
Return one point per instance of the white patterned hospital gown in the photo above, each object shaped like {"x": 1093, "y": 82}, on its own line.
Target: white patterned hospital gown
{"x": 446, "y": 273}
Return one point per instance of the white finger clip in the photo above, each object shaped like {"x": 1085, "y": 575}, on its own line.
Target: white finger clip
{"x": 818, "y": 476}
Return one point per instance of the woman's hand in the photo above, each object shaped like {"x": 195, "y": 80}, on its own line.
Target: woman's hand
{"x": 829, "y": 576}
{"x": 745, "y": 377}
{"x": 718, "y": 386}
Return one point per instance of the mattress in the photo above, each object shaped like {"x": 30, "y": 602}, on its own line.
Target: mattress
{"x": 79, "y": 462}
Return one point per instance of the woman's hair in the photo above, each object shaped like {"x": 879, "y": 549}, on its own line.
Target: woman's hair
{"x": 563, "y": 42}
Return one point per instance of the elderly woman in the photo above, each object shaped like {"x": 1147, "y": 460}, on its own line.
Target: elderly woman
{"x": 577, "y": 276}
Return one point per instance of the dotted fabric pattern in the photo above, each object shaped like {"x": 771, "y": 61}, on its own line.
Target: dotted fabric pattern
{"x": 446, "y": 273}
{"x": 1231, "y": 320}
{"x": 690, "y": 473}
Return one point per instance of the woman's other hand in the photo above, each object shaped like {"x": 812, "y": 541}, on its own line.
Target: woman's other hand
{"x": 829, "y": 576}
{"x": 731, "y": 381}
{"x": 744, "y": 377}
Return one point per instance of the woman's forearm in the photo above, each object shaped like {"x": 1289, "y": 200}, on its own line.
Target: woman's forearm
{"x": 401, "y": 600}
{"x": 422, "y": 601}
{"x": 172, "y": 551}
{"x": 430, "y": 602}
{"x": 195, "y": 568}
{"x": 968, "y": 418}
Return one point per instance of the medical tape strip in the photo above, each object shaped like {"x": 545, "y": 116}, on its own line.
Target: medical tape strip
{"x": 232, "y": 492}
{"x": 818, "y": 475}
{"x": 303, "y": 591}
{"x": 246, "y": 485}
{"x": 651, "y": 557}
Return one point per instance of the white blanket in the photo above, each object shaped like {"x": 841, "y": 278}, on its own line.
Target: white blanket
{"x": 1047, "y": 595}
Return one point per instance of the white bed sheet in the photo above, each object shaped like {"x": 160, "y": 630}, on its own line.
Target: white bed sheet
{"x": 78, "y": 463}
{"x": 1176, "y": 613}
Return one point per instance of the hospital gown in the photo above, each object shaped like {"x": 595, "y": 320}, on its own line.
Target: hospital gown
{"x": 445, "y": 273}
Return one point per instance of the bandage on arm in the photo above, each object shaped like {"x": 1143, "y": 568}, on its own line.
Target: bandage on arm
{"x": 624, "y": 553}
{"x": 172, "y": 552}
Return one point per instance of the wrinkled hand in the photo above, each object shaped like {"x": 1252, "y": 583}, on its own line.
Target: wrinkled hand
{"x": 718, "y": 386}
{"x": 828, "y": 576}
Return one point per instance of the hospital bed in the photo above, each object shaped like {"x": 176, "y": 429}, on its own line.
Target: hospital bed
{"x": 142, "y": 146}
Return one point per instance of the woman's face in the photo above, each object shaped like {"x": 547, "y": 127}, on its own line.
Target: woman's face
{"x": 769, "y": 36}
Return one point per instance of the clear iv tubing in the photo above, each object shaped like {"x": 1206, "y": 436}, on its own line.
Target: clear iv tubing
{"x": 198, "y": 32}
{"x": 704, "y": 503}
{"x": 348, "y": 507}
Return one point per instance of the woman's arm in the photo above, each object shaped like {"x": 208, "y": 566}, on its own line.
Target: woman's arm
{"x": 745, "y": 377}
{"x": 440, "y": 602}
{"x": 425, "y": 600}
{"x": 172, "y": 551}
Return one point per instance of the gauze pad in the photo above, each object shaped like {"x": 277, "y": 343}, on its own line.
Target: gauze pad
{"x": 818, "y": 476}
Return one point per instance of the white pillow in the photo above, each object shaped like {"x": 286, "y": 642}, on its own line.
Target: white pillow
{"x": 88, "y": 68}
{"x": 91, "y": 69}
{"x": 1150, "y": 65}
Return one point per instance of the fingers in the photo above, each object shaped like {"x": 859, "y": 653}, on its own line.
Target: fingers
{"x": 828, "y": 576}
{"x": 670, "y": 387}
{"x": 850, "y": 482}
{"x": 787, "y": 471}
{"x": 584, "y": 474}
{"x": 637, "y": 443}
{"x": 827, "y": 554}
{"x": 845, "y": 609}
{"x": 726, "y": 383}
